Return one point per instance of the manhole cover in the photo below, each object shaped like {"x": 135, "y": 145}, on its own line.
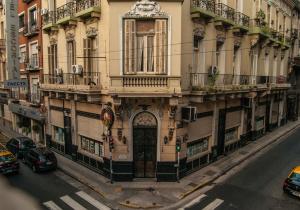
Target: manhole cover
{"x": 210, "y": 173}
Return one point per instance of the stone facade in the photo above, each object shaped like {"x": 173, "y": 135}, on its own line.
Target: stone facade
{"x": 135, "y": 82}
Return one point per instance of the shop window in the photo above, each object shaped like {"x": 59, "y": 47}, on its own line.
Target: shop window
{"x": 59, "y": 134}
{"x": 231, "y": 134}
{"x": 260, "y": 123}
{"x": 197, "y": 147}
{"x": 92, "y": 146}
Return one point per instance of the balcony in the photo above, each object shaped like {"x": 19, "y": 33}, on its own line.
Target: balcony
{"x": 33, "y": 64}
{"x": 65, "y": 14}
{"x": 143, "y": 85}
{"x": 260, "y": 28}
{"x": 31, "y": 29}
{"x": 221, "y": 83}
{"x": 49, "y": 21}
{"x": 242, "y": 22}
{"x": 225, "y": 15}
{"x": 85, "y": 86}
{"x": 88, "y": 8}
{"x": 203, "y": 8}
{"x": 2, "y": 44}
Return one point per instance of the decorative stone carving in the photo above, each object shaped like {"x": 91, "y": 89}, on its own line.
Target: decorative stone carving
{"x": 237, "y": 42}
{"x": 53, "y": 41}
{"x": 144, "y": 119}
{"x": 199, "y": 32}
{"x": 91, "y": 32}
{"x": 70, "y": 37}
{"x": 221, "y": 38}
{"x": 146, "y": 8}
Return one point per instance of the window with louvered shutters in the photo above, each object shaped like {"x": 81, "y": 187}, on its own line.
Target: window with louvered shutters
{"x": 52, "y": 58}
{"x": 129, "y": 46}
{"x": 160, "y": 43}
{"x": 87, "y": 54}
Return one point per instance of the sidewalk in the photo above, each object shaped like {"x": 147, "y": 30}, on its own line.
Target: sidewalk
{"x": 163, "y": 194}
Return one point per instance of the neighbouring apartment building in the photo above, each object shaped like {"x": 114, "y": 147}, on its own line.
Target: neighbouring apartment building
{"x": 150, "y": 84}
{"x": 20, "y": 108}
{"x": 5, "y": 115}
{"x": 28, "y": 116}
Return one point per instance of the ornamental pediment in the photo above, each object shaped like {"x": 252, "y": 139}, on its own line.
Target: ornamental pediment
{"x": 146, "y": 8}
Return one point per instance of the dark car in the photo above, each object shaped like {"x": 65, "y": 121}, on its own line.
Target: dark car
{"x": 20, "y": 145}
{"x": 40, "y": 159}
{"x": 8, "y": 162}
{"x": 291, "y": 184}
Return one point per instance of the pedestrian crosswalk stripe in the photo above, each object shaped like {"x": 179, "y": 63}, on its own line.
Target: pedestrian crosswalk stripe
{"x": 193, "y": 202}
{"x": 213, "y": 205}
{"x": 51, "y": 205}
{"x": 92, "y": 201}
{"x": 69, "y": 201}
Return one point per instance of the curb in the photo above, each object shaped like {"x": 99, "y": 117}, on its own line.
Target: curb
{"x": 136, "y": 206}
{"x": 82, "y": 181}
{"x": 183, "y": 195}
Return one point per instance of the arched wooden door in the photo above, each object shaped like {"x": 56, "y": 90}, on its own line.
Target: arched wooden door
{"x": 144, "y": 145}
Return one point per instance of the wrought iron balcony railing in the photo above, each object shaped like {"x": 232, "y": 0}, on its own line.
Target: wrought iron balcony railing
{"x": 242, "y": 19}
{"x": 30, "y": 29}
{"x": 280, "y": 37}
{"x": 208, "y": 5}
{"x": 225, "y": 11}
{"x": 221, "y": 80}
{"x": 86, "y": 78}
{"x": 85, "y": 4}
{"x": 49, "y": 18}
{"x": 66, "y": 10}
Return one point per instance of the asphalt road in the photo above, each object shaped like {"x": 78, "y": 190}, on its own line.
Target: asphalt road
{"x": 258, "y": 185}
{"x": 54, "y": 189}
{"x": 50, "y": 187}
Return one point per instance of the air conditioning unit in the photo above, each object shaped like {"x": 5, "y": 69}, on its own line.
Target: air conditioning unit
{"x": 77, "y": 69}
{"x": 188, "y": 114}
{"x": 44, "y": 11}
{"x": 247, "y": 102}
{"x": 58, "y": 71}
{"x": 213, "y": 70}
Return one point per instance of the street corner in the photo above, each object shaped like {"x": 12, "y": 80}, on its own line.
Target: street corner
{"x": 140, "y": 199}
{"x": 132, "y": 205}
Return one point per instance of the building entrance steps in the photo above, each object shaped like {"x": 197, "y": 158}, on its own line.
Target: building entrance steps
{"x": 150, "y": 194}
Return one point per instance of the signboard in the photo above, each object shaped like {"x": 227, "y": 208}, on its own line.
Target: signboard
{"x": 16, "y": 83}
{"x": 12, "y": 39}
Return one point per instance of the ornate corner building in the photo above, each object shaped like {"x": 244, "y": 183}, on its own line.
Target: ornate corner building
{"x": 163, "y": 88}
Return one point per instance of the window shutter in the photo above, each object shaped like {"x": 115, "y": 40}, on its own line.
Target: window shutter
{"x": 129, "y": 46}
{"x": 50, "y": 61}
{"x": 85, "y": 54}
{"x": 55, "y": 56}
{"x": 160, "y": 52}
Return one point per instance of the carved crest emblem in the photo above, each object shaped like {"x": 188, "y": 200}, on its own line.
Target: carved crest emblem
{"x": 146, "y": 8}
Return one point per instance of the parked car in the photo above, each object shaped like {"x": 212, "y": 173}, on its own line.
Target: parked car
{"x": 40, "y": 159}
{"x": 8, "y": 162}
{"x": 20, "y": 145}
{"x": 291, "y": 184}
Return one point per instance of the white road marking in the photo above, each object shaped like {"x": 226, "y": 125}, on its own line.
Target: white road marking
{"x": 68, "y": 200}
{"x": 92, "y": 201}
{"x": 51, "y": 205}
{"x": 193, "y": 202}
{"x": 213, "y": 205}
